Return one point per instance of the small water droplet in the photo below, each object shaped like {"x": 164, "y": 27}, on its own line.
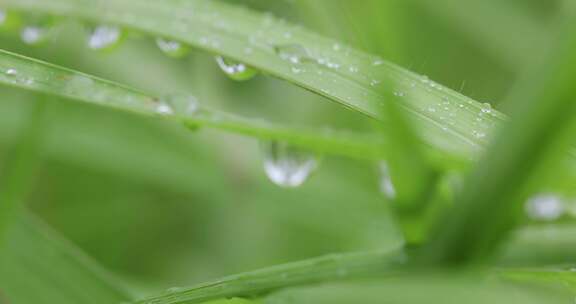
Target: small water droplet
{"x": 287, "y": 166}
{"x": 34, "y": 35}
{"x": 486, "y": 108}
{"x": 386, "y": 186}
{"x": 399, "y": 94}
{"x": 374, "y": 82}
{"x": 183, "y": 104}
{"x": 11, "y": 72}
{"x": 174, "y": 289}
{"x": 104, "y": 37}
{"x": 164, "y": 108}
{"x": 236, "y": 70}
{"x": 353, "y": 69}
{"x": 172, "y": 48}
{"x": 545, "y": 207}
{"x": 377, "y": 62}
{"x": 294, "y": 53}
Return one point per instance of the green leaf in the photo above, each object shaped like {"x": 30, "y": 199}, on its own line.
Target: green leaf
{"x": 446, "y": 120}
{"x": 327, "y": 268}
{"x": 23, "y": 72}
{"x": 529, "y": 150}
{"x": 18, "y": 173}
{"x": 448, "y": 288}
{"x": 37, "y": 266}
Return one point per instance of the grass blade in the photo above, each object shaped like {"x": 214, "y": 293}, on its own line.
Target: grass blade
{"x": 332, "y": 267}
{"x": 38, "y": 267}
{"x": 42, "y": 77}
{"x": 446, "y": 119}
{"x": 496, "y": 191}
{"x": 20, "y": 168}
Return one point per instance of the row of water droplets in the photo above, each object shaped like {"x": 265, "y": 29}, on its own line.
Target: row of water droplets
{"x": 284, "y": 164}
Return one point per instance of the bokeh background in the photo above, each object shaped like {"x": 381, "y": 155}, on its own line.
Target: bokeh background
{"x": 162, "y": 206}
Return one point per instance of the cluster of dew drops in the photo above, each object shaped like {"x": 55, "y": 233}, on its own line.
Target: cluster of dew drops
{"x": 284, "y": 164}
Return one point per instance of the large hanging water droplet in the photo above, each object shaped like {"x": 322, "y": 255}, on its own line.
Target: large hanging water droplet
{"x": 236, "y": 70}
{"x": 104, "y": 37}
{"x": 545, "y": 207}
{"x": 386, "y": 186}
{"x": 287, "y": 166}
{"x": 172, "y": 48}
{"x": 34, "y": 34}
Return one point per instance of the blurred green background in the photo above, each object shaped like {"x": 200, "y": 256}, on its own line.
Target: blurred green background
{"x": 162, "y": 206}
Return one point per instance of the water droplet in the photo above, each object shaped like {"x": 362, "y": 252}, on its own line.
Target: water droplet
{"x": 174, "y": 289}
{"x": 478, "y": 134}
{"x": 172, "y": 48}
{"x": 545, "y": 207}
{"x": 374, "y": 82}
{"x": 164, "y": 108}
{"x": 236, "y": 70}
{"x": 104, "y": 37}
{"x": 294, "y": 53}
{"x": 34, "y": 35}
{"x": 486, "y": 108}
{"x": 79, "y": 84}
{"x": 287, "y": 166}
{"x": 399, "y": 94}
{"x": 377, "y": 62}
{"x": 386, "y": 186}
{"x": 183, "y": 104}
{"x": 11, "y": 72}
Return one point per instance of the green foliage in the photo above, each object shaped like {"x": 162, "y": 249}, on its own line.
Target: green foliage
{"x": 132, "y": 165}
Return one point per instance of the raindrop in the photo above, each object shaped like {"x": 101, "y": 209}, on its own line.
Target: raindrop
{"x": 294, "y": 53}
{"x": 79, "y": 84}
{"x": 236, "y": 70}
{"x": 164, "y": 108}
{"x": 33, "y": 34}
{"x": 287, "y": 166}
{"x": 545, "y": 207}
{"x": 377, "y": 62}
{"x": 174, "y": 289}
{"x": 11, "y": 72}
{"x": 183, "y": 104}
{"x": 386, "y": 186}
{"x": 172, "y": 48}
{"x": 486, "y": 108}
{"x": 104, "y": 37}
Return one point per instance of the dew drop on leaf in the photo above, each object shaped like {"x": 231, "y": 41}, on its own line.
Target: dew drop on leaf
{"x": 236, "y": 70}
{"x": 183, "y": 104}
{"x": 172, "y": 48}
{"x": 163, "y": 108}
{"x": 545, "y": 207}
{"x": 293, "y": 53}
{"x": 104, "y": 37}
{"x": 34, "y": 34}
{"x": 287, "y": 166}
{"x": 11, "y": 72}
{"x": 386, "y": 186}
